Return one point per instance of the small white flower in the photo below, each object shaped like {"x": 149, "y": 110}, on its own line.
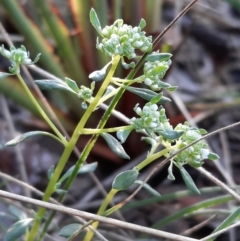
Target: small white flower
{"x": 147, "y": 81}
{"x": 154, "y": 107}
{"x": 138, "y": 110}
{"x": 204, "y": 153}
{"x": 153, "y": 125}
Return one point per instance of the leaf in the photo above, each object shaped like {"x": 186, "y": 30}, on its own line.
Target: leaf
{"x": 17, "y": 229}
{"x": 171, "y": 134}
{"x": 122, "y": 135}
{"x": 158, "y": 70}
{"x": 68, "y": 230}
{"x": 213, "y": 156}
{"x": 170, "y": 172}
{"x": 148, "y": 188}
{"x": 158, "y": 57}
{"x": 202, "y": 131}
{"x": 188, "y": 180}
{"x": 163, "y": 84}
{"x": 50, "y": 172}
{"x": 125, "y": 179}
{"x": 227, "y": 222}
{"x": 142, "y": 23}
{"x": 95, "y": 21}
{"x": 172, "y": 88}
{"x": 115, "y": 145}
{"x": 61, "y": 191}
{"x": 4, "y": 75}
{"x": 99, "y": 75}
{"x": 150, "y": 141}
{"x": 16, "y": 212}
{"x": 127, "y": 66}
{"x": 53, "y": 85}
{"x": 72, "y": 84}
{"x": 156, "y": 98}
{"x": 146, "y": 94}
{"x": 84, "y": 169}
{"x": 27, "y": 135}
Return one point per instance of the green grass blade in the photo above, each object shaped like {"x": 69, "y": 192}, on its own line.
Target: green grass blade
{"x": 227, "y": 222}
{"x": 204, "y": 204}
{"x": 64, "y": 45}
{"x": 169, "y": 197}
{"x": 80, "y": 11}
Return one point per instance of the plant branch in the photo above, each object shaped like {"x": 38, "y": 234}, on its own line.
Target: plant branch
{"x": 220, "y": 231}
{"x": 86, "y": 215}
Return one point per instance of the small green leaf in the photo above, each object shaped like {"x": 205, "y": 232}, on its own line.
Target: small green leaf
{"x": 84, "y": 169}
{"x": 17, "y": 229}
{"x": 146, "y": 94}
{"x": 92, "y": 86}
{"x": 61, "y": 191}
{"x": 52, "y": 85}
{"x": 16, "y": 212}
{"x": 36, "y": 59}
{"x": 72, "y": 84}
{"x": 142, "y": 23}
{"x": 156, "y": 98}
{"x": 213, "y": 156}
{"x": 125, "y": 179}
{"x": 227, "y": 222}
{"x": 99, "y": 75}
{"x": 170, "y": 172}
{"x": 158, "y": 70}
{"x": 163, "y": 84}
{"x": 148, "y": 188}
{"x": 4, "y": 75}
{"x": 27, "y": 135}
{"x": 202, "y": 131}
{"x": 68, "y": 230}
{"x": 128, "y": 66}
{"x": 171, "y": 134}
{"x": 188, "y": 180}
{"x": 95, "y": 21}
{"x": 158, "y": 57}
{"x": 115, "y": 145}
{"x": 150, "y": 141}
{"x": 172, "y": 88}
{"x": 122, "y": 135}
{"x": 50, "y": 172}
{"x": 195, "y": 163}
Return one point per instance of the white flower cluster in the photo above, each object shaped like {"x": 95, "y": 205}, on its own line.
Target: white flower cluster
{"x": 17, "y": 57}
{"x": 152, "y": 120}
{"x": 195, "y": 154}
{"x": 122, "y": 39}
{"x": 153, "y": 72}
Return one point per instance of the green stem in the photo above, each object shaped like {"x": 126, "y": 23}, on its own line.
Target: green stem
{"x": 41, "y": 111}
{"x": 101, "y": 210}
{"x": 88, "y": 131}
{"x": 94, "y": 138}
{"x": 151, "y": 158}
{"x": 68, "y": 149}
{"x": 113, "y": 192}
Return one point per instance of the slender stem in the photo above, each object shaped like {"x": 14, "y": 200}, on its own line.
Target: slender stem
{"x": 86, "y": 215}
{"x": 113, "y": 192}
{"x": 101, "y": 210}
{"x": 41, "y": 111}
{"x": 69, "y": 147}
{"x": 115, "y": 101}
{"x": 151, "y": 158}
{"x": 88, "y": 131}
